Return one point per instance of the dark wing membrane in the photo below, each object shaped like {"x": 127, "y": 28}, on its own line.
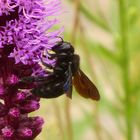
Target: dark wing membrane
{"x": 84, "y": 86}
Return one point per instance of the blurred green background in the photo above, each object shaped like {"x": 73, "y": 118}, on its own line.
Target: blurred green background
{"x": 106, "y": 35}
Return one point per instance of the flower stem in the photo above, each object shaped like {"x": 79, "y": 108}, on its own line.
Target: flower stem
{"x": 59, "y": 118}
{"x": 97, "y": 127}
{"x": 124, "y": 31}
{"x": 69, "y": 120}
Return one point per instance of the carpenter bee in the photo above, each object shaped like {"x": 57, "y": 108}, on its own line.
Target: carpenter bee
{"x": 63, "y": 75}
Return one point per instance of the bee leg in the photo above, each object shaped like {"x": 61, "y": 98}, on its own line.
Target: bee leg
{"x": 45, "y": 64}
{"x": 33, "y": 79}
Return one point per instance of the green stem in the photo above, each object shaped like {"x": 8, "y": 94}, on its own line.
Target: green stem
{"x": 125, "y": 65}
{"x": 87, "y": 56}
{"x": 69, "y": 120}
{"x": 59, "y": 119}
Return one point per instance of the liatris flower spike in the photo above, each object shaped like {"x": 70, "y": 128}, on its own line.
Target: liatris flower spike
{"x": 24, "y": 37}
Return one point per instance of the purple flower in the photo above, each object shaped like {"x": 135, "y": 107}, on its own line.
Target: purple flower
{"x": 24, "y": 41}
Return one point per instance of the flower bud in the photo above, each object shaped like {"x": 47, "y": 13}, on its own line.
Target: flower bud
{"x": 20, "y": 96}
{"x": 24, "y": 132}
{"x": 14, "y": 112}
{"x": 7, "y": 132}
{"x": 29, "y": 106}
{"x": 12, "y": 79}
{"x": 34, "y": 123}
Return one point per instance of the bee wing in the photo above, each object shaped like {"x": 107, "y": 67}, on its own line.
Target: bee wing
{"x": 84, "y": 86}
{"x": 68, "y": 84}
{"x": 69, "y": 91}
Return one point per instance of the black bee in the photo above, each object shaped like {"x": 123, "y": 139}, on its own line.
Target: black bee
{"x": 63, "y": 75}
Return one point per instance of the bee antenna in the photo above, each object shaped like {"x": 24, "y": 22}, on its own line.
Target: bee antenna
{"x": 60, "y": 38}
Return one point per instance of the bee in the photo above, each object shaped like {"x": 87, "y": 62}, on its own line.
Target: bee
{"x": 63, "y": 75}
